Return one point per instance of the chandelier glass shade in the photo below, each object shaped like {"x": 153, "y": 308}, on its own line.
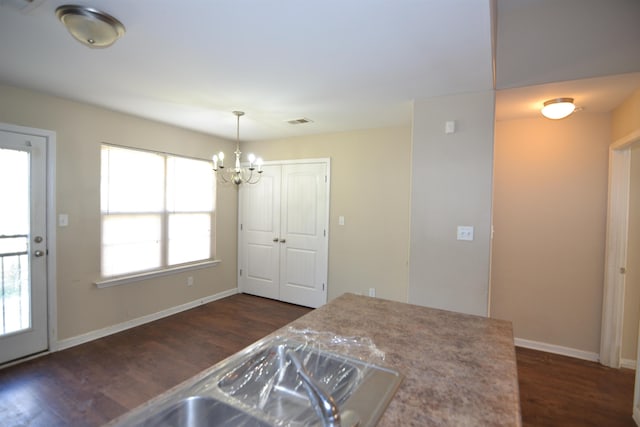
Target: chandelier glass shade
{"x": 238, "y": 174}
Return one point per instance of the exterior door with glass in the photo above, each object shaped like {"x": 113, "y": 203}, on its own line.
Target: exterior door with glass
{"x": 23, "y": 245}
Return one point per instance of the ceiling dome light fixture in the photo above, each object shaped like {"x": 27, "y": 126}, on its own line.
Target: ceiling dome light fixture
{"x": 89, "y": 26}
{"x": 558, "y": 108}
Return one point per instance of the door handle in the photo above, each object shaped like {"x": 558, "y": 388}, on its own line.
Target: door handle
{"x": 38, "y": 253}
{"x": 283, "y": 240}
{"x": 275, "y": 240}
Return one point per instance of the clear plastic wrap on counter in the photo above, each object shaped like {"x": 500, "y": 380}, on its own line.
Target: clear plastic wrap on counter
{"x": 271, "y": 380}
{"x": 362, "y": 348}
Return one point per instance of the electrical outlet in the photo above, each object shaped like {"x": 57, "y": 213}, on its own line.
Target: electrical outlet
{"x": 190, "y": 281}
{"x": 372, "y": 292}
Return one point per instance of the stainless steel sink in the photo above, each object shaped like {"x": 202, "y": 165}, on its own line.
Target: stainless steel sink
{"x": 196, "y": 411}
{"x": 260, "y": 386}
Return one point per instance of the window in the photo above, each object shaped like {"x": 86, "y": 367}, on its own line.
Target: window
{"x": 157, "y": 211}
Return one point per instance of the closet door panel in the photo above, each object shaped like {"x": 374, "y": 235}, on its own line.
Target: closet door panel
{"x": 303, "y": 260}
{"x": 259, "y": 226}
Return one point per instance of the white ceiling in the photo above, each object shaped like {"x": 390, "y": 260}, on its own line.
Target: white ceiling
{"x": 345, "y": 65}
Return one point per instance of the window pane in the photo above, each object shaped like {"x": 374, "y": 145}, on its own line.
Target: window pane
{"x": 157, "y": 210}
{"x": 130, "y": 243}
{"x": 190, "y": 185}
{"x": 14, "y": 194}
{"x": 14, "y": 244}
{"x": 132, "y": 181}
{"x": 189, "y": 237}
{"x": 15, "y": 281}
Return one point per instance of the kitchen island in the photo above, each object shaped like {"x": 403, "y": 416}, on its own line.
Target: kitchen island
{"x": 460, "y": 370}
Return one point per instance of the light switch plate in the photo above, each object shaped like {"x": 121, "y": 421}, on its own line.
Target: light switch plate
{"x": 450, "y": 127}
{"x": 63, "y": 220}
{"x": 465, "y": 232}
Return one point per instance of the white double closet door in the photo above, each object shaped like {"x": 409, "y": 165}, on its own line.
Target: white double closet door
{"x": 283, "y": 233}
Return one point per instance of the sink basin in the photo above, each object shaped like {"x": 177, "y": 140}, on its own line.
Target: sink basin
{"x": 266, "y": 381}
{"x": 261, "y": 386}
{"x": 198, "y": 411}
{"x": 269, "y": 382}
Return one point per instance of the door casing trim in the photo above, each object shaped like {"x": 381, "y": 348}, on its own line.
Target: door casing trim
{"x": 616, "y": 249}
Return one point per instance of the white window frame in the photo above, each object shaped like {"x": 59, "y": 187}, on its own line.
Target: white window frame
{"x": 164, "y": 269}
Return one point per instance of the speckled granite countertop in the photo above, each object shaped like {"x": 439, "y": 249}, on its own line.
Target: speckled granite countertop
{"x": 460, "y": 370}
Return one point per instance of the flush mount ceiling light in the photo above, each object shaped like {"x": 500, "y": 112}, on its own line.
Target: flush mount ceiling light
{"x": 558, "y": 108}
{"x": 89, "y": 26}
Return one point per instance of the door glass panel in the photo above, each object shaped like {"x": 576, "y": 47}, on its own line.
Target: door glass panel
{"x": 15, "y": 294}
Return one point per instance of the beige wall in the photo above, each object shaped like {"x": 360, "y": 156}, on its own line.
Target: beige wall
{"x": 80, "y": 129}
{"x": 550, "y": 199}
{"x": 549, "y": 284}
{"x": 626, "y": 117}
{"x": 370, "y": 188}
{"x": 451, "y": 186}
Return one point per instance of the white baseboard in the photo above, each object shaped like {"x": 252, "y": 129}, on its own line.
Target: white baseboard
{"x": 558, "y": 349}
{"x": 571, "y": 352}
{"x": 628, "y": 363}
{"x": 100, "y": 333}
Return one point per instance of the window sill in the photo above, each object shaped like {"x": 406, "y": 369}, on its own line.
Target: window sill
{"x": 123, "y": 280}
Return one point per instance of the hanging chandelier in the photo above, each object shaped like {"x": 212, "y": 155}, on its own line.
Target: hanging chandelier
{"x": 238, "y": 175}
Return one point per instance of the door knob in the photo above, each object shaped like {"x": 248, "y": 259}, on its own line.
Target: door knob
{"x": 38, "y": 253}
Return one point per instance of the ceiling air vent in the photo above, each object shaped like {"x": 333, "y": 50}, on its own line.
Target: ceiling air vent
{"x": 300, "y": 121}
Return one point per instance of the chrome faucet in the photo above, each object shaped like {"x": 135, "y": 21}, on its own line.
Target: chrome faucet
{"x": 322, "y": 402}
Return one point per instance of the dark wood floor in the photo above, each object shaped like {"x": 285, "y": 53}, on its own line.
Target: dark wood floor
{"x": 90, "y": 384}
{"x": 563, "y": 391}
